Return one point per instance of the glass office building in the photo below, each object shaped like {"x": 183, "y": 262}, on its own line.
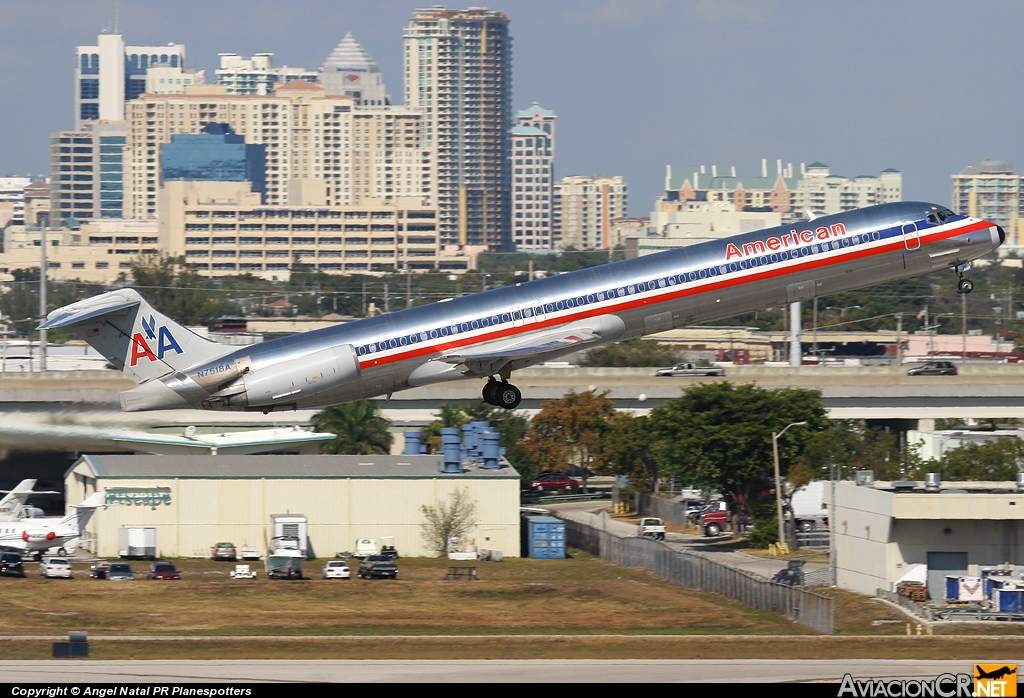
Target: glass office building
{"x": 217, "y": 154}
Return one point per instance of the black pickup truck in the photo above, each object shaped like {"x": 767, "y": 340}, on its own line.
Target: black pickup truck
{"x": 377, "y": 567}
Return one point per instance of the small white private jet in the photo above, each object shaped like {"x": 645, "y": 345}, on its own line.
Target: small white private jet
{"x": 35, "y": 536}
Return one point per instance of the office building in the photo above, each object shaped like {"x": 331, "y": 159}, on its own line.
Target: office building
{"x": 533, "y": 176}
{"x": 356, "y": 151}
{"x": 222, "y": 229}
{"x": 87, "y": 171}
{"x": 991, "y": 190}
{"x": 822, "y": 192}
{"x": 98, "y": 251}
{"x": 587, "y": 206}
{"x": 12, "y": 198}
{"x": 350, "y": 71}
{"x": 458, "y": 73}
{"x": 675, "y": 224}
{"x": 37, "y": 203}
{"x": 109, "y": 74}
{"x": 257, "y": 75}
{"x": 218, "y": 154}
{"x": 165, "y": 80}
{"x": 782, "y": 189}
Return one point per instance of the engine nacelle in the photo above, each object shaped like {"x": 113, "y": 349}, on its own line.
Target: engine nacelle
{"x": 286, "y": 382}
{"x": 37, "y": 536}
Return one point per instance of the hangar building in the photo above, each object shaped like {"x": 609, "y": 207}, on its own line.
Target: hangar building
{"x": 194, "y": 502}
{"x": 888, "y": 532}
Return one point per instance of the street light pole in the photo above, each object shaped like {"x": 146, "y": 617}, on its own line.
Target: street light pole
{"x": 778, "y": 483}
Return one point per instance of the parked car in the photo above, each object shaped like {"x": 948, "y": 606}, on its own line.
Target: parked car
{"x": 55, "y": 567}
{"x": 120, "y": 572}
{"x": 99, "y": 571}
{"x": 555, "y": 482}
{"x": 336, "y": 569}
{"x": 689, "y": 369}
{"x": 163, "y": 570}
{"x": 225, "y": 551}
{"x": 377, "y": 567}
{"x": 11, "y": 565}
{"x": 934, "y": 368}
{"x": 250, "y": 552}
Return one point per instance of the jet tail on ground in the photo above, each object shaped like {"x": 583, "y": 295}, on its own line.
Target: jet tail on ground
{"x": 142, "y": 342}
{"x": 83, "y": 512}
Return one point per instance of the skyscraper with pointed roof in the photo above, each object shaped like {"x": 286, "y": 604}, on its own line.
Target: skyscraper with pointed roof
{"x": 350, "y": 71}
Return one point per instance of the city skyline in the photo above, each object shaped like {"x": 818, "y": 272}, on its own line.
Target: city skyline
{"x": 661, "y": 83}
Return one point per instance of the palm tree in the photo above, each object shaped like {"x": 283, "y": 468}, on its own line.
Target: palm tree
{"x": 358, "y": 426}
{"x": 447, "y": 417}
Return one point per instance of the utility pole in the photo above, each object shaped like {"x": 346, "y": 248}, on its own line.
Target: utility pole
{"x": 795, "y": 350}
{"x": 483, "y": 280}
{"x": 814, "y": 345}
{"x": 364, "y": 297}
{"x": 530, "y": 276}
{"x": 386, "y": 309}
{"x": 963, "y": 327}
{"x": 42, "y": 298}
{"x": 408, "y": 288}
{"x": 899, "y": 339}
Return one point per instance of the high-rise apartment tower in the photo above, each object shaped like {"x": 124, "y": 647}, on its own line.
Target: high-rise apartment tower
{"x": 458, "y": 73}
{"x": 533, "y": 174}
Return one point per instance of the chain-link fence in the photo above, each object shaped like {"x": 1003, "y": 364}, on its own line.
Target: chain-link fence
{"x": 692, "y": 570}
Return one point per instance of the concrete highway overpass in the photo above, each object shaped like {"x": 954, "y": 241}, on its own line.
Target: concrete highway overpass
{"x": 863, "y": 392}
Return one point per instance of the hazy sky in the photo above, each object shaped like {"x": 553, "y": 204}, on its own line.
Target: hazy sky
{"x": 926, "y": 86}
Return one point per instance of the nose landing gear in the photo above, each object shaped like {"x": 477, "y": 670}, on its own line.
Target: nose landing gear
{"x": 501, "y": 394}
{"x": 963, "y": 285}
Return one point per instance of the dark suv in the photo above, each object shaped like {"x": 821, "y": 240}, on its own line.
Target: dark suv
{"x": 11, "y": 565}
{"x": 377, "y": 567}
{"x": 934, "y": 368}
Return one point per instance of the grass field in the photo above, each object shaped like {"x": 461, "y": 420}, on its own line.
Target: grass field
{"x": 579, "y": 597}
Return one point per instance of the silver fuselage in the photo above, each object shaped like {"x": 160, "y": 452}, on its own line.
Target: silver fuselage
{"x": 636, "y": 297}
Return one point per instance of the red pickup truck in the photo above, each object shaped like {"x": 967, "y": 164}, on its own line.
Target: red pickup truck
{"x": 717, "y": 518}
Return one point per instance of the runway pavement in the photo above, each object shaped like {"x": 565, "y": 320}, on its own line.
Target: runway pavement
{"x": 479, "y": 671}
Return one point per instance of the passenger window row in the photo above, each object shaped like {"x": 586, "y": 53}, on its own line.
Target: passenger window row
{"x": 601, "y": 296}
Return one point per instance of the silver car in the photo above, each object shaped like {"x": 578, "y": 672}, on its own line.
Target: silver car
{"x": 55, "y": 567}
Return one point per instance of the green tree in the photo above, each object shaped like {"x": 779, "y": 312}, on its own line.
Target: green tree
{"x": 628, "y": 450}
{"x": 448, "y": 417}
{"x": 177, "y": 292}
{"x": 443, "y": 522}
{"x": 359, "y": 428}
{"x": 851, "y": 445}
{"x": 20, "y": 307}
{"x": 998, "y": 460}
{"x": 718, "y": 436}
{"x": 632, "y": 352}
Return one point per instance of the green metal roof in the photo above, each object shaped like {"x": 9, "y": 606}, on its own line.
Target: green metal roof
{"x": 817, "y": 164}
{"x": 534, "y": 108}
{"x": 704, "y": 181}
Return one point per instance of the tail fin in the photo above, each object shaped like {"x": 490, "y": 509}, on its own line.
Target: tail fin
{"x": 79, "y": 518}
{"x": 12, "y": 504}
{"x": 134, "y": 337}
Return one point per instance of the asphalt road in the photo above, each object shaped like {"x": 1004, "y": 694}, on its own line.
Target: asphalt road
{"x": 478, "y": 671}
{"x": 694, "y": 543}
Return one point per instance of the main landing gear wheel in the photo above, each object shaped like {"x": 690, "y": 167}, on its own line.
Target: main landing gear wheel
{"x": 508, "y": 396}
{"x": 964, "y": 285}
{"x": 490, "y": 393}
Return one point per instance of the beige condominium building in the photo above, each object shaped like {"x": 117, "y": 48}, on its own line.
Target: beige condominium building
{"x": 359, "y": 152}
{"x": 222, "y": 229}
{"x": 96, "y": 251}
{"x": 991, "y": 190}
{"x": 586, "y": 208}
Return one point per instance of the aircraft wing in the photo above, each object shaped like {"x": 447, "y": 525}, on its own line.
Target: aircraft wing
{"x": 487, "y": 359}
{"x": 81, "y": 312}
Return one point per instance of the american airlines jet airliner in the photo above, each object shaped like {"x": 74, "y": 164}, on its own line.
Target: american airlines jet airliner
{"x": 489, "y": 335}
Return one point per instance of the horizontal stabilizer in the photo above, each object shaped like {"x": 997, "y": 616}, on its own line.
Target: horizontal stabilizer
{"x": 81, "y": 312}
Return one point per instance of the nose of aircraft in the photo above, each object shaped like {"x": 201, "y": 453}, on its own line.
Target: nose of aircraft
{"x": 1002, "y": 234}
